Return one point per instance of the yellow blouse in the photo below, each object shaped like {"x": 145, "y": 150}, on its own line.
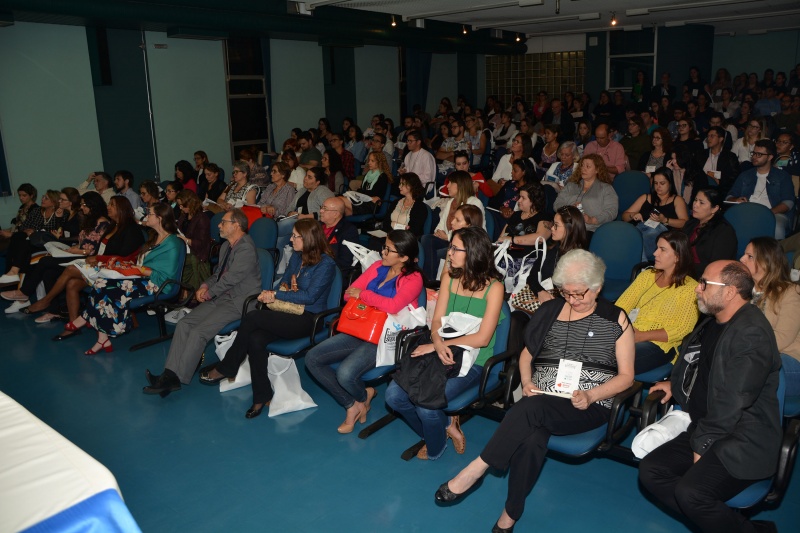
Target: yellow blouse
{"x": 673, "y": 309}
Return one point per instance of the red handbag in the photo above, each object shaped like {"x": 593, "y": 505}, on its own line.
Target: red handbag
{"x": 362, "y": 321}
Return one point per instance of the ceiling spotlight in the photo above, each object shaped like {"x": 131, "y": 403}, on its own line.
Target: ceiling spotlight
{"x": 463, "y": 29}
{"x": 394, "y": 22}
{"x": 613, "y": 18}
{"x": 518, "y": 39}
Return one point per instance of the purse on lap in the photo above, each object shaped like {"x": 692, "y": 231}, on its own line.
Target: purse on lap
{"x": 362, "y": 321}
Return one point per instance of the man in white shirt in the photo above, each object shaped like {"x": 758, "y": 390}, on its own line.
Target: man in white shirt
{"x": 418, "y": 160}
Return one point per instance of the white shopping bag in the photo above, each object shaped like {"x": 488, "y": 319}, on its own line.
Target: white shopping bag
{"x": 357, "y": 198}
{"x": 221, "y": 345}
{"x": 288, "y": 250}
{"x": 458, "y": 324}
{"x": 407, "y": 318}
{"x": 289, "y": 394}
{"x": 670, "y": 426}
{"x": 362, "y": 255}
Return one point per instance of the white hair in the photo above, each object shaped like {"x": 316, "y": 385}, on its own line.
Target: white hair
{"x": 580, "y": 267}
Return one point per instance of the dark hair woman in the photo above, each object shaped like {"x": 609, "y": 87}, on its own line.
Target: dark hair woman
{"x": 711, "y": 238}
{"x": 156, "y": 264}
{"x": 307, "y": 281}
{"x": 186, "y": 174}
{"x": 332, "y": 164}
{"x": 661, "y": 303}
{"x": 195, "y": 230}
{"x": 408, "y": 212}
{"x": 470, "y": 285}
{"x": 389, "y": 285}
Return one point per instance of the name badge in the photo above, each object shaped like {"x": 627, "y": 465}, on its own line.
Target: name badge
{"x": 719, "y": 92}
{"x": 717, "y": 175}
{"x": 633, "y": 314}
{"x": 694, "y": 92}
{"x": 650, "y": 169}
{"x": 398, "y": 226}
{"x": 726, "y": 115}
{"x": 66, "y": 234}
{"x": 568, "y": 376}
{"x": 650, "y": 223}
{"x": 794, "y": 91}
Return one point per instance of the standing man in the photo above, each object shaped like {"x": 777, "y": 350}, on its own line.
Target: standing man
{"x": 418, "y": 160}
{"x": 309, "y": 155}
{"x": 611, "y": 151}
{"x": 123, "y": 184}
{"x": 721, "y": 165}
{"x": 766, "y": 185}
{"x": 726, "y": 378}
{"x": 221, "y": 298}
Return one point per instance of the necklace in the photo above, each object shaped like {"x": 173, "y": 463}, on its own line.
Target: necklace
{"x": 589, "y": 333}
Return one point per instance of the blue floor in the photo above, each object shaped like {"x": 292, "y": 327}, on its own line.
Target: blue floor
{"x": 192, "y": 462}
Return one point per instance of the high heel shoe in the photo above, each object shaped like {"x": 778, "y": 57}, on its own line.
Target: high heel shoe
{"x": 348, "y": 428}
{"x": 498, "y": 529}
{"x": 254, "y": 412}
{"x": 105, "y": 346}
{"x": 459, "y": 446}
{"x": 206, "y": 380}
{"x": 371, "y": 393}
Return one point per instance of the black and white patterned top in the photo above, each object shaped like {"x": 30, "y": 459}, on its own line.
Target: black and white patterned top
{"x": 591, "y": 341}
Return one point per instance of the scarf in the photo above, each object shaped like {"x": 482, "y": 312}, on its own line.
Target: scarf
{"x": 370, "y": 179}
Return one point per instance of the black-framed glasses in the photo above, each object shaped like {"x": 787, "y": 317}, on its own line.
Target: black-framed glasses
{"x": 389, "y": 250}
{"x": 578, "y": 296}
{"x": 704, "y": 283}
{"x": 294, "y": 236}
{"x": 454, "y": 248}
{"x": 759, "y": 154}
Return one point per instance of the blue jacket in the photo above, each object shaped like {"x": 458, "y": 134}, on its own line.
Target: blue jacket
{"x": 313, "y": 283}
{"x": 779, "y": 186}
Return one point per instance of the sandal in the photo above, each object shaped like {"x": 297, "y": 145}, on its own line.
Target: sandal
{"x": 460, "y": 446}
{"x": 423, "y": 453}
{"x": 105, "y": 346}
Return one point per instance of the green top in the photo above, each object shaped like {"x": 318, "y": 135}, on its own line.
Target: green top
{"x": 163, "y": 259}
{"x": 475, "y": 307}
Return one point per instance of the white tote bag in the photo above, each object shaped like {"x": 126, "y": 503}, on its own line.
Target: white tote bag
{"x": 408, "y": 318}
{"x": 670, "y": 426}
{"x": 362, "y": 255}
{"x": 458, "y": 324}
{"x": 221, "y": 345}
{"x": 289, "y": 394}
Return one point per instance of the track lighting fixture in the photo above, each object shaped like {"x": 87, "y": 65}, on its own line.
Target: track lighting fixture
{"x": 394, "y": 22}
{"x": 463, "y": 29}
{"x": 613, "y": 18}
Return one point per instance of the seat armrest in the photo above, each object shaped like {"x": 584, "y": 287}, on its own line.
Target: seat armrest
{"x": 317, "y": 318}
{"x": 487, "y": 369}
{"x": 652, "y": 404}
{"x": 617, "y": 425}
{"x": 786, "y": 460}
{"x": 404, "y": 339}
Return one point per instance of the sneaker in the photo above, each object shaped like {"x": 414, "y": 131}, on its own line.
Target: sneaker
{"x": 5, "y": 279}
{"x": 16, "y": 306}
{"x": 173, "y": 317}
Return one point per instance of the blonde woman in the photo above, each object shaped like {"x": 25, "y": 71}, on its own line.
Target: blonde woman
{"x": 376, "y": 181}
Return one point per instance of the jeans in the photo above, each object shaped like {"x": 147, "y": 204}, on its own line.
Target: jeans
{"x": 649, "y": 239}
{"x": 356, "y": 358}
{"x": 791, "y": 367}
{"x": 431, "y": 245}
{"x": 650, "y": 356}
{"x": 430, "y": 424}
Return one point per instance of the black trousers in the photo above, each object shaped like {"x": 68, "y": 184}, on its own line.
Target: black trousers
{"x": 520, "y": 443}
{"x": 48, "y": 269}
{"x": 696, "y": 490}
{"x": 258, "y": 329}
{"x": 19, "y": 251}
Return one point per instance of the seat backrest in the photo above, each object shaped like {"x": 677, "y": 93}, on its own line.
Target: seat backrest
{"x": 550, "y": 195}
{"x": 427, "y": 227}
{"x": 384, "y": 207}
{"x": 264, "y": 232}
{"x": 267, "y": 266}
{"x": 629, "y": 186}
{"x": 502, "y": 331}
{"x": 488, "y": 218}
{"x": 619, "y": 245}
{"x": 335, "y": 294}
{"x": 215, "y": 220}
{"x": 750, "y": 220}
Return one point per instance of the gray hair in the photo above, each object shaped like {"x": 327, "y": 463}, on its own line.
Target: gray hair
{"x": 238, "y": 216}
{"x": 581, "y": 267}
{"x": 242, "y": 166}
{"x": 572, "y": 147}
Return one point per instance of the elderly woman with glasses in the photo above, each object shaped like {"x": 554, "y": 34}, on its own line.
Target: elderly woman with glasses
{"x": 389, "y": 285}
{"x": 240, "y": 192}
{"x": 590, "y": 337}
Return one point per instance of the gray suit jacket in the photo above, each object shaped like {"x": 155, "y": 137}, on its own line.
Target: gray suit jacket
{"x": 242, "y": 277}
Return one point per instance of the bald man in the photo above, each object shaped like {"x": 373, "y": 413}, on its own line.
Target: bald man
{"x": 337, "y": 230}
{"x": 610, "y": 150}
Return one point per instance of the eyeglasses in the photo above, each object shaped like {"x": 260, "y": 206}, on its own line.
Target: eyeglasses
{"x": 295, "y": 237}
{"x": 389, "y": 250}
{"x": 578, "y": 296}
{"x": 758, "y": 154}
{"x": 703, "y": 283}
{"x": 755, "y": 126}
{"x": 454, "y": 248}
{"x": 223, "y": 221}
{"x": 237, "y": 171}
{"x": 63, "y": 199}
{"x": 683, "y": 125}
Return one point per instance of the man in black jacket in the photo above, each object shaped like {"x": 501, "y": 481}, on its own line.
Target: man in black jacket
{"x": 726, "y": 378}
{"x": 720, "y": 165}
{"x": 558, "y": 115}
{"x": 338, "y": 230}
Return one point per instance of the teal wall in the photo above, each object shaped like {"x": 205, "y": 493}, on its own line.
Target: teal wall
{"x": 481, "y": 76}
{"x": 443, "y": 82}
{"x": 187, "y": 81}
{"x": 298, "y": 91}
{"x": 339, "y": 70}
{"x": 755, "y": 53}
{"x": 47, "y": 110}
{"x": 377, "y": 83}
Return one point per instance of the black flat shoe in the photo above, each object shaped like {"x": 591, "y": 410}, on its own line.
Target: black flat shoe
{"x": 253, "y": 412}
{"x": 64, "y": 335}
{"x": 498, "y": 529}
{"x": 166, "y": 383}
{"x": 445, "y": 495}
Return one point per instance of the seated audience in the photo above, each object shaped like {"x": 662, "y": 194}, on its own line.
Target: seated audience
{"x": 779, "y": 299}
{"x": 686, "y": 173}
{"x": 526, "y": 227}
{"x": 657, "y": 211}
{"x": 337, "y": 230}
{"x": 332, "y": 165}
{"x": 377, "y": 180}
{"x": 258, "y": 174}
{"x": 194, "y": 230}
{"x": 103, "y": 185}
{"x": 711, "y": 237}
{"x": 186, "y": 175}
{"x": 721, "y": 165}
{"x": 506, "y": 193}
{"x": 521, "y": 148}
{"x": 659, "y": 155}
{"x": 729, "y": 388}
{"x": 213, "y": 186}
{"x": 604, "y": 345}
{"x": 407, "y": 212}
{"x": 661, "y": 303}
{"x": 309, "y": 156}
{"x": 477, "y": 291}
{"x": 558, "y": 173}
{"x": 388, "y": 285}
{"x": 418, "y": 160}
{"x": 591, "y": 192}
{"x": 240, "y": 192}
{"x": 745, "y": 145}
{"x": 637, "y": 142}
{"x": 306, "y": 282}
{"x": 221, "y": 298}
{"x": 550, "y": 149}
{"x": 123, "y": 185}
{"x": 278, "y": 196}
{"x": 610, "y": 151}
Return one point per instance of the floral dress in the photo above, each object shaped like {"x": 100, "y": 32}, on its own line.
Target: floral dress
{"x": 107, "y": 309}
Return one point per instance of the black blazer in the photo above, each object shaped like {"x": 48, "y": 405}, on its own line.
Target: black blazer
{"x": 416, "y": 221}
{"x": 125, "y": 241}
{"x": 567, "y": 126}
{"x": 728, "y": 166}
{"x": 343, "y": 231}
{"x": 714, "y": 242}
{"x": 743, "y": 423}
